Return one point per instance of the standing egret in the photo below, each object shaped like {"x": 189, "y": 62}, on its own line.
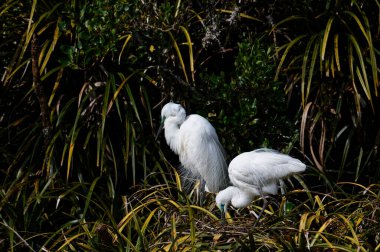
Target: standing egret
{"x": 256, "y": 173}
{"x": 196, "y": 143}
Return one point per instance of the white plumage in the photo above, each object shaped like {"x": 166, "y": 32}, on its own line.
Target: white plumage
{"x": 256, "y": 173}
{"x": 195, "y": 140}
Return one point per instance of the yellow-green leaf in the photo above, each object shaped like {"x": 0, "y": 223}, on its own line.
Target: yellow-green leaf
{"x": 326, "y": 36}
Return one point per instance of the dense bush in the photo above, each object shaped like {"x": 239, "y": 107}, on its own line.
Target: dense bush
{"x": 330, "y": 54}
{"x": 80, "y": 98}
{"x": 256, "y": 112}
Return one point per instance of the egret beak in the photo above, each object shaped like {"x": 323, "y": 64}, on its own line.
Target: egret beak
{"x": 160, "y": 129}
{"x": 222, "y": 209}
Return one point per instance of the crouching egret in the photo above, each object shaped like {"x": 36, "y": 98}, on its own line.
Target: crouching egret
{"x": 196, "y": 143}
{"x": 256, "y": 173}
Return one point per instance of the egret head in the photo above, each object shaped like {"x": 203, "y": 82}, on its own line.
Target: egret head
{"x": 171, "y": 110}
{"x": 223, "y": 199}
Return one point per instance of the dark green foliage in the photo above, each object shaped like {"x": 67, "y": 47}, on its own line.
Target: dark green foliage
{"x": 246, "y": 104}
{"x": 330, "y": 52}
{"x": 81, "y": 89}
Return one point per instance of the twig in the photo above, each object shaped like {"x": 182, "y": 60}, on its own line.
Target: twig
{"x": 40, "y": 92}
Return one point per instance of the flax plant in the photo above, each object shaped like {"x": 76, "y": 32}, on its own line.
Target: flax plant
{"x": 333, "y": 59}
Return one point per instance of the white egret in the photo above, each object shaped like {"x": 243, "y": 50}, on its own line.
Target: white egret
{"x": 256, "y": 173}
{"x": 196, "y": 143}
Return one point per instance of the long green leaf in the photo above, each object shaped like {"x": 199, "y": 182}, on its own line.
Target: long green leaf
{"x": 345, "y": 154}
{"x": 69, "y": 240}
{"x": 180, "y": 58}
{"x": 127, "y": 38}
{"x": 326, "y": 36}
{"x": 88, "y": 197}
{"x": 373, "y": 59}
{"x": 74, "y": 134}
{"x": 5, "y": 7}
{"x": 305, "y": 94}
{"x": 133, "y": 103}
{"x": 304, "y": 67}
{"x": 147, "y": 105}
{"x": 32, "y": 11}
{"x": 190, "y": 45}
{"x": 336, "y": 51}
{"x": 366, "y": 32}
{"x": 52, "y": 46}
{"x": 287, "y": 49}
{"x": 351, "y": 68}
{"x": 243, "y": 15}
{"x": 32, "y": 29}
{"x": 101, "y": 137}
{"x": 359, "y": 164}
{"x": 291, "y": 18}
{"x": 364, "y": 82}
{"x": 359, "y": 23}
{"x": 116, "y": 93}
{"x": 57, "y": 82}
{"x": 177, "y": 8}
{"x": 311, "y": 70}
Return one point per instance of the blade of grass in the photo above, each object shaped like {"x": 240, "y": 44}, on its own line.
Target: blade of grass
{"x": 101, "y": 136}
{"x": 326, "y": 36}
{"x": 57, "y": 82}
{"x": 284, "y": 55}
{"x": 190, "y": 45}
{"x": 359, "y": 23}
{"x": 127, "y": 38}
{"x": 146, "y": 104}
{"x": 116, "y": 93}
{"x": 31, "y": 30}
{"x": 6, "y": 7}
{"x": 359, "y": 54}
{"x": 52, "y": 46}
{"x": 204, "y": 210}
{"x": 311, "y": 70}
{"x": 345, "y": 154}
{"x": 243, "y": 15}
{"x": 291, "y": 18}
{"x": 180, "y": 58}
{"x": 133, "y": 103}
{"x": 304, "y": 67}
{"x": 177, "y": 8}
{"x": 354, "y": 239}
{"x": 147, "y": 220}
{"x": 303, "y": 125}
{"x": 74, "y": 134}
{"x": 69, "y": 240}
{"x": 317, "y": 160}
{"x": 88, "y": 197}
{"x": 13, "y": 231}
{"x": 336, "y": 51}
{"x": 32, "y": 11}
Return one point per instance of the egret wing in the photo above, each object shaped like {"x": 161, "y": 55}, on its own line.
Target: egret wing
{"x": 202, "y": 152}
{"x": 260, "y": 168}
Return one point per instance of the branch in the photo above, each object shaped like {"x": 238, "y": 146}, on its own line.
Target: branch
{"x": 39, "y": 90}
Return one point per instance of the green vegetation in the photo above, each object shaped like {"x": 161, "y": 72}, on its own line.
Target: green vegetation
{"x": 81, "y": 89}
